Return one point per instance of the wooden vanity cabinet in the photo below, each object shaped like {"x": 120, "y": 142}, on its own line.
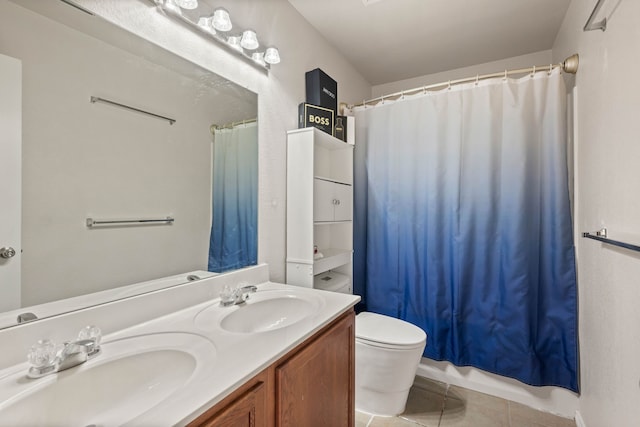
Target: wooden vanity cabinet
{"x": 311, "y": 386}
{"x": 315, "y": 386}
{"x": 248, "y": 406}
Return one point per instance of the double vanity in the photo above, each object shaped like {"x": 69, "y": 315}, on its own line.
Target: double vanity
{"x": 171, "y": 356}
{"x": 275, "y": 355}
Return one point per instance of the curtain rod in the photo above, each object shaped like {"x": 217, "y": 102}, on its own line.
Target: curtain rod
{"x": 231, "y": 125}
{"x": 569, "y": 65}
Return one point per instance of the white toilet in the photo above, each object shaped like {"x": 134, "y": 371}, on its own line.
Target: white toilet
{"x": 388, "y": 352}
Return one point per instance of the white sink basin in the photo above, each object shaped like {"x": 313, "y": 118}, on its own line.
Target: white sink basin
{"x": 264, "y": 311}
{"x": 130, "y": 377}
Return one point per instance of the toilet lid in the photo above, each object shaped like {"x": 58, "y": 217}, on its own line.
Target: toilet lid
{"x": 388, "y": 330}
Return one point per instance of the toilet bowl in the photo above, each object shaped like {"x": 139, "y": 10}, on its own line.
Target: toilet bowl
{"x": 388, "y": 352}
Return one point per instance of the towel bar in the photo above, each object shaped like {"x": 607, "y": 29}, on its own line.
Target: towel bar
{"x": 600, "y": 25}
{"x": 601, "y": 235}
{"x": 93, "y": 222}
{"x": 95, "y": 99}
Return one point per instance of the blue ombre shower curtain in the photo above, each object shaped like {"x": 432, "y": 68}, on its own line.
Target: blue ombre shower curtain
{"x": 463, "y": 225}
{"x": 234, "y": 225}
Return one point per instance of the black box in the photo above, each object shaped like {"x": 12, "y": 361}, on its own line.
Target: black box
{"x": 322, "y": 90}
{"x": 313, "y": 115}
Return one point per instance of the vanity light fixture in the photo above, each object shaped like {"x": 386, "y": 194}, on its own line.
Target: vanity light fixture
{"x": 244, "y": 43}
{"x": 204, "y": 22}
{"x": 272, "y": 56}
{"x": 187, "y": 4}
{"x": 234, "y": 42}
{"x": 221, "y": 20}
{"x": 259, "y": 58}
{"x": 249, "y": 40}
{"x": 171, "y": 6}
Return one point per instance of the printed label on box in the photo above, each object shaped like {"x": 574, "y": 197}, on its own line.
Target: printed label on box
{"x": 313, "y": 115}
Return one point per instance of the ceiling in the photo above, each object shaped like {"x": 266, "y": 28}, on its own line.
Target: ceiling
{"x": 391, "y": 40}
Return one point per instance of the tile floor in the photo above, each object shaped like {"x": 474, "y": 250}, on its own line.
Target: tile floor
{"x": 434, "y": 404}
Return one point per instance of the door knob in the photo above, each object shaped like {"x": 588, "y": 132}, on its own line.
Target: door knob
{"x": 7, "y": 252}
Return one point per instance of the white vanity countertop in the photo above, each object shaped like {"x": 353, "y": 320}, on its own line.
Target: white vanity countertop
{"x": 235, "y": 357}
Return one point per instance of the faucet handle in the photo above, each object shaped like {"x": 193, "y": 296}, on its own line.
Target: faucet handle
{"x": 228, "y": 295}
{"x": 89, "y": 339}
{"x": 90, "y": 333}
{"x": 42, "y": 354}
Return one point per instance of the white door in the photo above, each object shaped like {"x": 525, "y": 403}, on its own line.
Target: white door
{"x": 10, "y": 181}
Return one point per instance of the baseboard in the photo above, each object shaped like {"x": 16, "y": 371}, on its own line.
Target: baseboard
{"x": 553, "y": 400}
{"x": 579, "y": 421}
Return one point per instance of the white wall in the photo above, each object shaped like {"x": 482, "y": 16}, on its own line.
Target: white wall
{"x": 522, "y": 61}
{"x": 608, "y": 179}
{"x": 90, "y": 160}
{"x": 279, "y": 93}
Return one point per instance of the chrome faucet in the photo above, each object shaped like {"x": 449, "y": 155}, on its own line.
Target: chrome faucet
{"x": 233, "y": 296}
{"x": 47, "y": 358}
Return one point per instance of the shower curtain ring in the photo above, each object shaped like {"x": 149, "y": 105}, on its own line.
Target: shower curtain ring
{"x": 550, "y": 69}
{"x": 402, "y": 95}
{"x": 505, "y": 76}
{"x": 477, "y": 79}
{"x": 534, "y": 71}
{"x": 449, "y": 86}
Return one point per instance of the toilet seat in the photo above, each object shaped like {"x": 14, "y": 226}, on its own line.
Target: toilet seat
{"x": 388, "y": 332}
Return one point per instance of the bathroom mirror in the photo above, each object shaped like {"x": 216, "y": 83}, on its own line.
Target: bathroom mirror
{"x": 102, "y": 161}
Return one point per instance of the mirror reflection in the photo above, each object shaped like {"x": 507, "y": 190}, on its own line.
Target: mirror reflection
{"x": 96, "y": 160}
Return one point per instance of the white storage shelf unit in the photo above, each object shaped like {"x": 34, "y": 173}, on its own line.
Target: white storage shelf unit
{"x": 319, "y": 205}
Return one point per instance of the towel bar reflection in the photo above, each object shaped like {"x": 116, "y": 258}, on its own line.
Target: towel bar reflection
{"x": 601, "y": 235}
{"x": 95, "y": 99}
{"x": 96, "y": 222}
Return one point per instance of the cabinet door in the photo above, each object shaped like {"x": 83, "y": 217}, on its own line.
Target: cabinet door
{"x": 247, "y": 410}
{"x": 323, "y": 200}
{"x": 315, "y": 387}
{"x": 344, "y": 203}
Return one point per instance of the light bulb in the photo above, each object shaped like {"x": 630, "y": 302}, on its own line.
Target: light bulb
{"x": 204, "y": 22}
{"x": 259, "y": 58}
{"x": 171, "y": 6}
{"x": 272, "y": 56}
{"x": 234, "y": 42}
{"x": 221, "y": 20}
{"x": 187, "y": 4}
{"x": 249, "y": 40}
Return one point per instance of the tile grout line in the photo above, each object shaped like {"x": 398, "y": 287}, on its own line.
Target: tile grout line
{"x": 369, "y": 422}
{"x": 418, "y": 423}
{"x": 510, "y": 411}
{"x": 444, "y": 404}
